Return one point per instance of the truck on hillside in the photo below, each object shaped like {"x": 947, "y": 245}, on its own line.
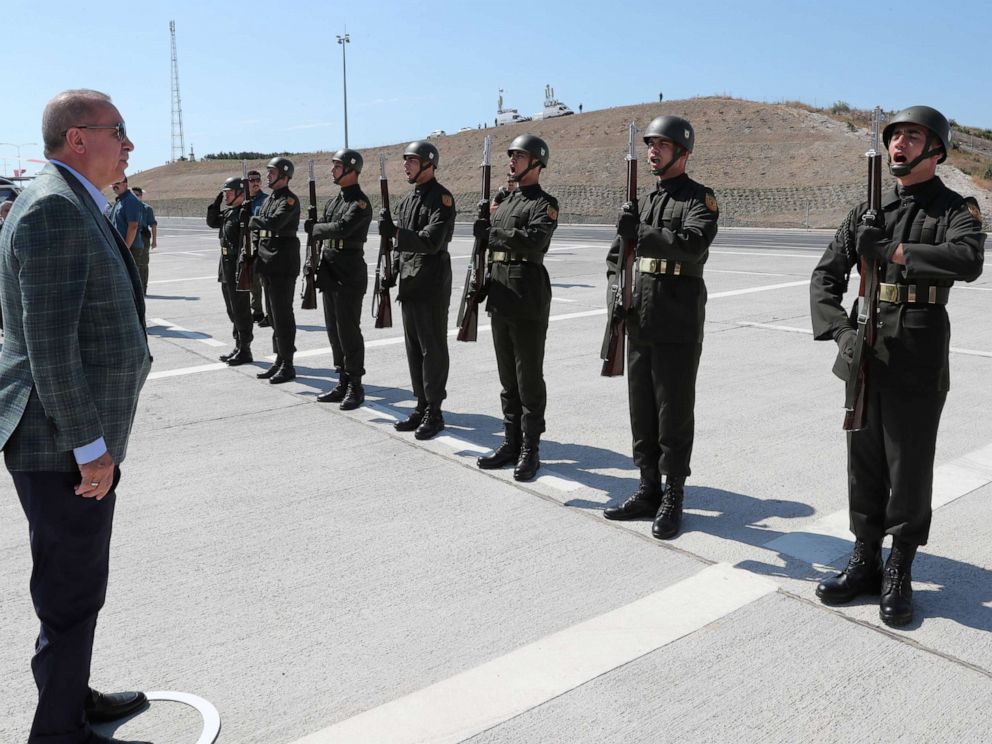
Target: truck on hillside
{"x": 507, "y": 115}
{"x": 552, "y": 106}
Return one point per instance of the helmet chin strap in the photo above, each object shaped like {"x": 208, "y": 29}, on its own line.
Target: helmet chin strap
{"x": 423, "y": 167}
{"x": 660, "y": 171}
{"x": 903, "y": 169}
{"x": 530, "y": 166}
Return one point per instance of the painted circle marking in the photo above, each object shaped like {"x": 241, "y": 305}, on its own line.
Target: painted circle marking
{"x": 211, "y": 718}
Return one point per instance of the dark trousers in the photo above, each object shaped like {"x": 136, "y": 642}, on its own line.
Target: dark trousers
{"x": 343, "y": 318}
{"x": 890, "y": 466}
{"x": 70, "y": 550}
{"x": 661, "y": 387}
{"x": 238, "y": 306}
{"x": 425, "y": 329}
{"x": 279, "y": 293}
{"x": 141, "y": 258}
{"x": 258, "y": 306}
{"x": 519, "y": 345}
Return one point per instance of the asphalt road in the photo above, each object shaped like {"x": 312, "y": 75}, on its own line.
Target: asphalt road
{"x": 318, "y": 577}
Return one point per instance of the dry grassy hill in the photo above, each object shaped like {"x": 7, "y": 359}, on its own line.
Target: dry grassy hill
{"x": 768, "y": 163}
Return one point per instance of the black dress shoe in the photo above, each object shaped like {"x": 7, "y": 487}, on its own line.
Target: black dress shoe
{"x": 271, "y": 370}
{"x": 642, "y": 504}
{"x": 506, "y": 454}
{"x": 863, "y": 575}
{"x": 228, "y": 355}
{"x": 530, "y": 460}
{"x": 354, "y": 397}
{"x": 265, "y": 322}
{"x": 243, "y": 356}
{"x": 285, "y": 373}
{"x": 337, "y": 393}
{"x": 668, "y": 520}
{"x": 411, "y": 422}
{"x": 97, "y": 739}
{"x": 100, "y": 707}
{"x": 432, "y": 424}
{"x": 896, "y": 605}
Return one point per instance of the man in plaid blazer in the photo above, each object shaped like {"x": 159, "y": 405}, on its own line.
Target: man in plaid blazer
{"x": 74, "y": 358}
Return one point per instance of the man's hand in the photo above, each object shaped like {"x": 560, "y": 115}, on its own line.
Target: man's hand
{"x": 255, "y": 222}
{"x": 628, "y": 222}
{"x": 308, "y": 226}
{"x": 96, "y": 477}
{"x": 872, "y": 243}
{"x": 480, "y": 228}
{"x": 387, "y": 228}
{"x": 219, "y": 199}
{"x": 846, "y": 338}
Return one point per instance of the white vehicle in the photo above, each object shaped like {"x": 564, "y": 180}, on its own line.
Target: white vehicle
{"x": 552, "y": 106}
{"x": 436, "y": 133}
{"x": 507, "y": 115}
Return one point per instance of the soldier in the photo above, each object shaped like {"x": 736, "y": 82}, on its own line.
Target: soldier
{"x": 256, "y": 198}
{"x": 673, "y": 229}
{"x": 278, "y": 263}
{"x": 520, "y": 302}
{"x": 149, "y": 235}
{"x": 343, "y": 277}
{"x": 926, "y": 238}
{"x": 425, "y": 223}
{"x": 228, "y": 224}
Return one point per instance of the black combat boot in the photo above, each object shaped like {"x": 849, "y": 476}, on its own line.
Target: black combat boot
{"x": 337, "y": 393}
{"x": 241, "y": 356}
{"x": 355, "y": 395}
{"x": 285, "y": 373}
{"x": 271, "y": 370}
{"x": 233, "y": 352}
{"x": 668, "y": 520}
{"x": 507, "y": 453}
{"x": 644, "y": 503}
{"x": 530, "y": 460}
{"x": 432, "y": 423}
{"x": 863, "y": 575}
{"x": 413, "y": 421}
{"x": 896, "y": 606}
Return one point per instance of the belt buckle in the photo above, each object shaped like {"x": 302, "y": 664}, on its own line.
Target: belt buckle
{"x": 678, "y": 269}
{"x": 911, "y": 293}
{"x": 932, "y": 295}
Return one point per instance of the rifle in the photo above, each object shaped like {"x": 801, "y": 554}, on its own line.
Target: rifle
{"x": 476, "y": 280}
{"x": 247, "y": 257}
{"x": 382, "y": 309}
{"x": 856, "y": 398}
{"x": 309, "y": 293}
{"x": 614, "y": 339}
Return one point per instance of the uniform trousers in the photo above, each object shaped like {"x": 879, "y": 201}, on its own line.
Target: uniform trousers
{"x": 890, "y": 465}
{"x": 661, "y": 387}
{"x": 519, "y": 345}
{"x": 425, "y": 330}
{"x": 238, "y": 306}
{"x": 141, "y": 258}
{"x": 70, "y": 550}
{"x": 279, "y": 294}
{"x": 343, "y": 319}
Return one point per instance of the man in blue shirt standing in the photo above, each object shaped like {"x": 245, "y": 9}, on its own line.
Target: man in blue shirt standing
{"x": 149, "y": 237}
{"x": 257, "y": 197}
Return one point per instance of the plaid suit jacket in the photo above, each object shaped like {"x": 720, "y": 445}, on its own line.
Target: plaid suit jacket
{"x": 75, "y": 353}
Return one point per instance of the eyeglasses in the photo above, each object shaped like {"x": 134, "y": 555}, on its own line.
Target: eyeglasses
{"x": 256, "y": 179}
{"x": 119, "y": 128}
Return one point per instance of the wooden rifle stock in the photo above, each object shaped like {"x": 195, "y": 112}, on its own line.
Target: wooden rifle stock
{"x": 247, "y": 257}
{"x": 475, "y": 277}
{"x": 856, "y": 398}
{"x": 614, "y": 341}
{"x": 309, "y": 294}
{"x": 382, "y": 308}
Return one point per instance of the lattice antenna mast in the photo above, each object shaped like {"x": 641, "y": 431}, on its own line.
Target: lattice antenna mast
{"x": 178, "y": 143}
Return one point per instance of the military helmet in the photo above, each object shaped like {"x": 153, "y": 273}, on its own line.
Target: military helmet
{"x": 532, "y": 144}
{"x": 351, "y": 159}
{"x": 427, "y": 153}
{"x": 927, "y": 117}
{"x": 283, "y": 165}
{"x": 673, "y": 128}
{"x": 235, "y": 184}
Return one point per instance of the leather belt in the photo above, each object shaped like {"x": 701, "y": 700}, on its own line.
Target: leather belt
{"x": 271, "y": 234}
{"x": 667, "y": 266}
{"x": 510, "y": 257}
{"x": 918, "y": 294}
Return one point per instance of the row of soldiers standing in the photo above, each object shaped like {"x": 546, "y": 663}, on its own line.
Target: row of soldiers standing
{"x": 928, "y": 238}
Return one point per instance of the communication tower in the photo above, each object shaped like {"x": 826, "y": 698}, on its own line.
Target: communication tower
{"x": 178, "y": 145}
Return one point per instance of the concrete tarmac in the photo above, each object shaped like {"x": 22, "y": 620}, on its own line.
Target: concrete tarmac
{"x": 318, "y": 577}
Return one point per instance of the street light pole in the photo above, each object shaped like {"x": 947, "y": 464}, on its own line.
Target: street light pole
{"x": 342, "y": 40}
{"x": 23, "y": 144}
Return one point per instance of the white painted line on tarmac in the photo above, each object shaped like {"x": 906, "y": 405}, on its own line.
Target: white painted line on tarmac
{"x": 203, "y": 338}
{"x": 817, "y": 542}
{"x": 182, "y": 371}
{"x": 752, "y": 290}
{"x": 478, "y": 699}
{"x": 206, "y": 709}
{"x": 776, "y": 254}
{"x": 186, "y": 279}
{"x": 809, "y": 332}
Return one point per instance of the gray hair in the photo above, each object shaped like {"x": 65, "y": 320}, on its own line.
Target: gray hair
{"x": 70, "y": 108}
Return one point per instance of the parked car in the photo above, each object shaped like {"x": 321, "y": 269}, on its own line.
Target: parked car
{"x": 436, "y": 133}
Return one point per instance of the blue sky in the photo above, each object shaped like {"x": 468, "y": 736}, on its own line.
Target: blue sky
{"x": 415, "y": 67}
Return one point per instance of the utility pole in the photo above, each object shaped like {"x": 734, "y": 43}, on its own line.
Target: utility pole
{"x": 20, "y": 171}
{"x": 178, "y": 145}
{"x": 342, "y": 40}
